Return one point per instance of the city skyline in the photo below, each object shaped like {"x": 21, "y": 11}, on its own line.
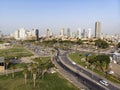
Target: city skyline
{"x": 55, "y": 15}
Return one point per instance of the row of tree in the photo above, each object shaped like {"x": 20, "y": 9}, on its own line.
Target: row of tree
{"x": 37, "y": 70}
{"x": 101, "y": 44}
{"x": 34, "y": 70}
{"x": 100, "y": 62}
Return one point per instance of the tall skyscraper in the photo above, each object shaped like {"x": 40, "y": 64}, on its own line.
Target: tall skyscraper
{"x": 62, "y": 33}
{"x": 37, "y": 34}
{"x": 79, "y": 33}
{"x": 97, "y": 29}
{"x": 47, "y": 32}
{"x": 89, "y": 33}
{"x": 68, "y": 32}
{"x": 84, "y": 33}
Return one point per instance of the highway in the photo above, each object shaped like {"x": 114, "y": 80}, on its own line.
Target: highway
{"x": 84, "y": 76}
{"x": 89, "y": 83}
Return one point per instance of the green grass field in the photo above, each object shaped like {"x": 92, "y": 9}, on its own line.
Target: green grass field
{"x": 15, "y": 52}
{"x": 50, "y": 82}
{"x": 76, "y": 57}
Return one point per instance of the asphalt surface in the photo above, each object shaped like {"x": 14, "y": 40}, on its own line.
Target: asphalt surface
{"x": 76, "y": 70}
{"x": 69, "y": 75}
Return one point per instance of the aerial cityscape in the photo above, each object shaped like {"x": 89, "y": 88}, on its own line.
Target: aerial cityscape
{"x": 59, "y": 45}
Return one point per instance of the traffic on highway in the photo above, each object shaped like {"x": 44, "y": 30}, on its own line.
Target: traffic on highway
{"x": 93, "y": 82}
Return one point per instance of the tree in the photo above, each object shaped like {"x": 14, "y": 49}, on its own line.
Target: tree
{"x": 91, "y": 59}
{"x": 79, "y": 41}
{"x": 118, "y": 45}
{"x": 101, "y": 44}
{"x": 34, "y": 71}
{"x": 13, "y": 71}
{"x": 25, "y": 73}
{"x": 6, "y": 65}
{"x": 103, "y": 61}
{"x": 30, "y": 68}
{"x": 43, "y": 70}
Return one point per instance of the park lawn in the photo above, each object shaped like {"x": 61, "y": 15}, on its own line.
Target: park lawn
{"x": 50, "y": 82}
{"x": 15, "y": 52}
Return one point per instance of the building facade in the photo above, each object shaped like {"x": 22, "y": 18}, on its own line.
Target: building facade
{"x": 97, "y": 30}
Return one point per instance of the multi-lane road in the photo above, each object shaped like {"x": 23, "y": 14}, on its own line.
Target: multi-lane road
{"x": 84, "y": 76}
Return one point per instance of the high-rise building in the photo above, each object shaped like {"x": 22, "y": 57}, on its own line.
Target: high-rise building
{"x": 79, "y": 33}
{"x": 22, "y": 34}
{"x": 37, "y": 34}
{"x": 97, "y": 29}
{"x": 47, "y": 32}
{"x": 89, "y": 33}
{"x": 84, "y": 33}
{"x": 62, "y": 33}
{"x": 68, "y": 32}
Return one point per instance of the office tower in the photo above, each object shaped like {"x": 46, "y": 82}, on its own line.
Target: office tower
{"x": 68, "y": 32}
{"x": 47, "y": 33}
{"x": 79, "y": 33}
{"x": 97, "y": 29}
{"x": 89, "y": 33}
{"x": 62, "y": 32}
{"x": 37, "y": 34}
{"x": 84, "y": 33}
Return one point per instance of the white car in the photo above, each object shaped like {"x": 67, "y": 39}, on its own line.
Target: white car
{"x": 74, "y": 63}
{"x": 104, "y": 82}
{"x": 111, "y": 72}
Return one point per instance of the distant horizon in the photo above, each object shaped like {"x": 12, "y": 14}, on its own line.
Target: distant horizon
{"x": 58, "y": 14}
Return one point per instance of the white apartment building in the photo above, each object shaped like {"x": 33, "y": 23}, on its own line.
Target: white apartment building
{"x": 20, "y": 34}
{"x": 79, "y": 33}
{"x": 62, "y": 33}
{"x": 89, "y": 33}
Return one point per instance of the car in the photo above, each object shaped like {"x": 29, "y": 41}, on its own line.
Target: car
{"x": 104, "y": 82}
{"x": 74, "y": 63}
{"x": 111, "y": 72}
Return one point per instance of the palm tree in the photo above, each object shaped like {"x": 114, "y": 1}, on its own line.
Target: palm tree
{"x": 34, "y": 71}
{"x": 35, "y": 65}
{"x": 31, "y": 67}
{"x": 6, "y": 65}
{"x": 13, "y": 71}
{"x": 25, "y": 72}
{"x": 43, "y": 70}
{"x": 39, "y": 66}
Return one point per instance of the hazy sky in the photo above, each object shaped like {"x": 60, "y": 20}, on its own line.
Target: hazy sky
{"x": 57, "y": 14}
